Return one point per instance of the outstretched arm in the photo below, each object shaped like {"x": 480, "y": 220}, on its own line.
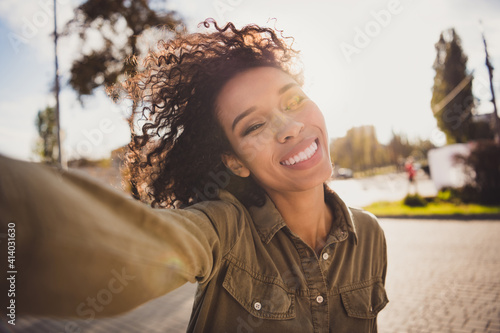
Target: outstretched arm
{"x": 82, "y": 248}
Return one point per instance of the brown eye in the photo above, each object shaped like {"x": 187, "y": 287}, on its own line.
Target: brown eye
{"x": 294, "y": 102}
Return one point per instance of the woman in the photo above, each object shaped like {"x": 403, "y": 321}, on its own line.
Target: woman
{"x": 231, "y": 138}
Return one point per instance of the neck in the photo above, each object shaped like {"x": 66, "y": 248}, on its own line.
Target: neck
{"x": 306, "y": 214}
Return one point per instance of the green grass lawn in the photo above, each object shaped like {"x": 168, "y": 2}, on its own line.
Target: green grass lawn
{"x": 385, "y": 208}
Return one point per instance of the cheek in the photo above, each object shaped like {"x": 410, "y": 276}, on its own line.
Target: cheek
{"x": 255, "y": 147}
{"x": 246, "y": 151}
{"x": 315, "y": 117}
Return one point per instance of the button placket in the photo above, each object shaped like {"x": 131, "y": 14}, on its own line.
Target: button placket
{"x": 313, "y": 273}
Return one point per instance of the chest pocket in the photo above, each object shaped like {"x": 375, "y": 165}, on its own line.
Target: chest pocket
{"x": 364, "y": 300}
{"x": 261, "y": 296}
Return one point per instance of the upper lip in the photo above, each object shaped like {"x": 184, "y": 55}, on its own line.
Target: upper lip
{"x": 301, "y": 146}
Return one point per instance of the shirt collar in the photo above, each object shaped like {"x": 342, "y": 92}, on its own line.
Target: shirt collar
{"x": 268, "y": 220}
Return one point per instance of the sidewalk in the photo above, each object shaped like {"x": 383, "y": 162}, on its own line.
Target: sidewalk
{"x": 442, "y": 276}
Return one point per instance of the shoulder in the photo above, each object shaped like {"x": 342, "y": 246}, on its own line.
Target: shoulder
{"x": 227, "y": 215}
{"x": 366, "y": 225}
{"x": 226, "y": 208}
{"x": 362, "y": 223}
{"x": 364, "y": 218}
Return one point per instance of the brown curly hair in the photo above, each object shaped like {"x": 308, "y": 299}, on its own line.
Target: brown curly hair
{"x": 175, "y": 160}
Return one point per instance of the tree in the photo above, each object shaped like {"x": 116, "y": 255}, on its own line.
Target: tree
{"x": 110, "y": 29}
{"x": 452, "y": 100}
{"x": 482, "y": 167}
{"x": 117, "y": 24}
{"x": 359, "y": 150}
{"x": 399, "y": 148}
{"x": 46, "y": 146}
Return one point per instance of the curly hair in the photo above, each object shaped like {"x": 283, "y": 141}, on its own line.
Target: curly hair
{"x": 175, "y": 159}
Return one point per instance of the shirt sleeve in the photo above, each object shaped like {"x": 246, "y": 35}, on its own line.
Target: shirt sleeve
{"x": 81, "y": 245}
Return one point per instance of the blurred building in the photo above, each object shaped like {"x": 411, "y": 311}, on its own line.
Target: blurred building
{"x": 444, "y": 167}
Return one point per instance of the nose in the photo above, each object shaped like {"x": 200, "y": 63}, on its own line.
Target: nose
{"x": 287, "y": 128}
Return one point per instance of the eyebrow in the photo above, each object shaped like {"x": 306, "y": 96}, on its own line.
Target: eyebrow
{"x": 243, "y": 115}
{"x": 253, "y": 108}
{"x": 286, "y": 87}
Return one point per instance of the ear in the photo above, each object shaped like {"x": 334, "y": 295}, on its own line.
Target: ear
{"x": 234, "y": 164}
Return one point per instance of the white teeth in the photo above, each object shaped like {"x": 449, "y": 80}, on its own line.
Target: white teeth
{"x": 302, "y": 156}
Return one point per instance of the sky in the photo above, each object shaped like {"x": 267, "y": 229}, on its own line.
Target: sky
{"x": 365, "y": 63}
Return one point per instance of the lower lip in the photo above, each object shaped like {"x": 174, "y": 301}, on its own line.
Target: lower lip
{"x": 318, "y": 154}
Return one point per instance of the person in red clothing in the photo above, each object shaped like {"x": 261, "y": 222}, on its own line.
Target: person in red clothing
{"x": 410, "y": 170}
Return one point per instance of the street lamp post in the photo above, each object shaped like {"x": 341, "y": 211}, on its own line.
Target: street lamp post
{"x": 496, "y": 119}
{"x": 56, "y": 88}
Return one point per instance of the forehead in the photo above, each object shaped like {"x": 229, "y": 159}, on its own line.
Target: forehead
{"x": 250, "y": 89}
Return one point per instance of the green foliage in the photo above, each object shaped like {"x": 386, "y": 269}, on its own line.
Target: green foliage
{"x": 397, "y": 208}
{"x": 481, "y": 130}
{"x": 360, "y": 150}
{"x": 399, "y": 148}
{"x": 449, "y": 202}
{"x": 46, "y": 145}
{"x": 451, "y": 195}
{"x": 452, "y": 107}
{"x": 83, "y": 163}
{"x": 414, "y": 200}
{"x": 108, "y": 31}
{"x": 484, "y": 183}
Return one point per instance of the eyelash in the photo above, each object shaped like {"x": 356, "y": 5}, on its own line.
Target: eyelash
{"x": 252, "y": 128}
{"x": 298, "y": 102}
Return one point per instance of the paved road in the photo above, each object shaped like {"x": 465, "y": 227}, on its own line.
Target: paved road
{"x": 443, "y": 276}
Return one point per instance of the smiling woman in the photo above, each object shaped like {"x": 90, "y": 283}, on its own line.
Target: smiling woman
{"x": 281, "y": 124}
{"x": 271, "y": 247}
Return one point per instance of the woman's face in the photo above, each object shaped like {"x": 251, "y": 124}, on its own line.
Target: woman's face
{"x": 277, "y": 133}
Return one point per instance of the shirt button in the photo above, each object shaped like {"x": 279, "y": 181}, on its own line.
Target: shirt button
{"x": 319, "y": 299}
{"x": 257, "y": 306}
{"x": 325, "y": 256}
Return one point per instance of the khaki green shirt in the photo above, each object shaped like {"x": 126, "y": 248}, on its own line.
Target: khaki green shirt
{"x": 84, "y": 250}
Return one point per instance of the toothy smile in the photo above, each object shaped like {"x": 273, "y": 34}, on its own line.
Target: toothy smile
{"x": 301, "y": 156}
